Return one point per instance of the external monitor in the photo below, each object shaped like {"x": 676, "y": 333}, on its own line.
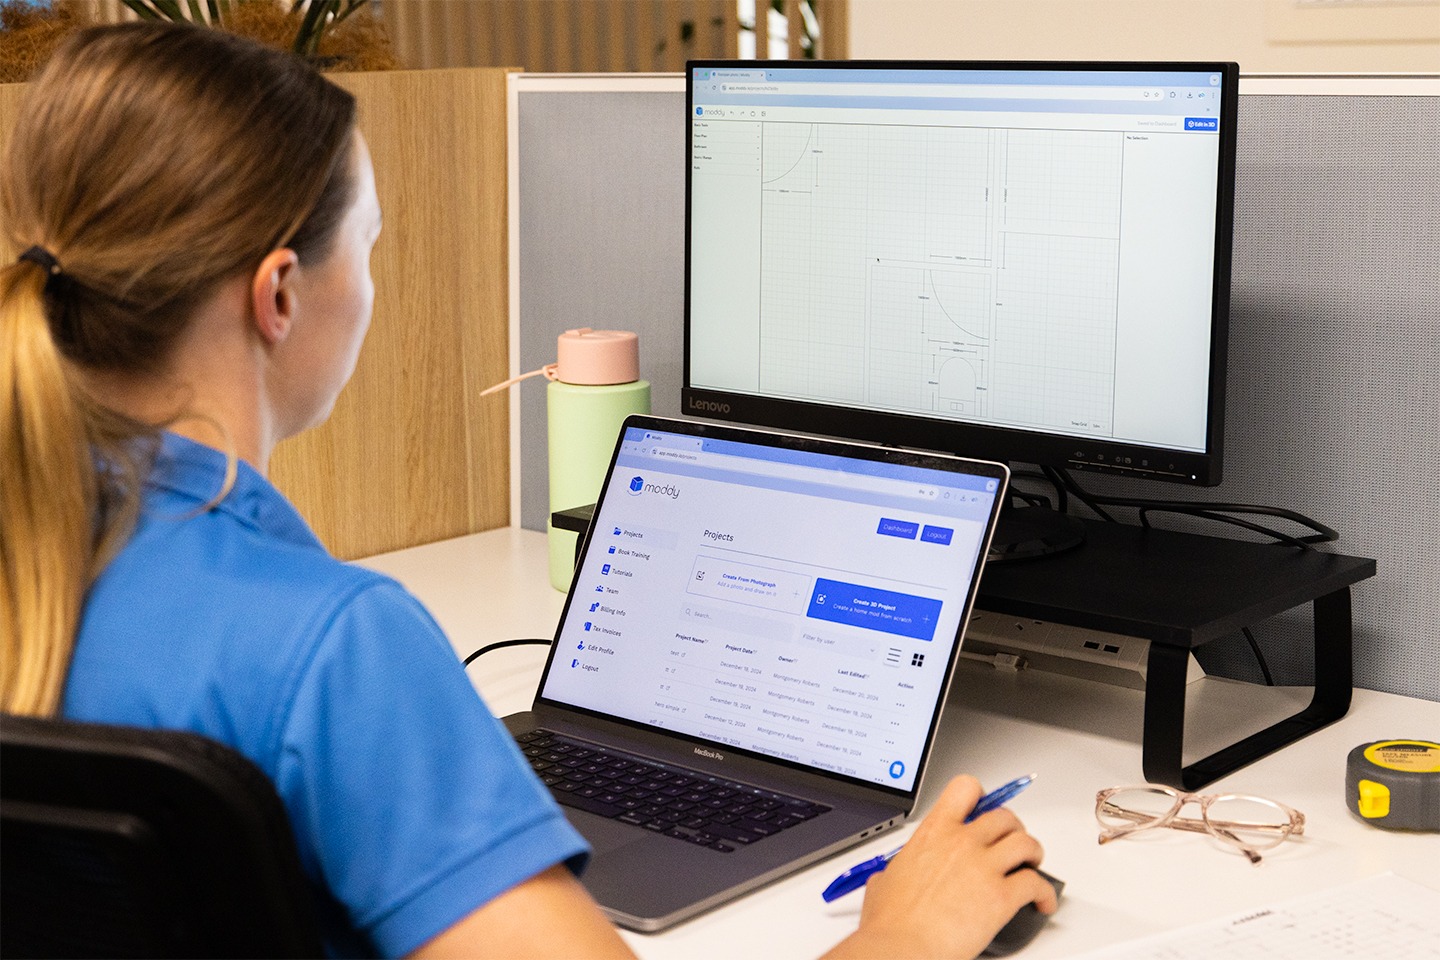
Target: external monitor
{"x": 1017, "y": 261}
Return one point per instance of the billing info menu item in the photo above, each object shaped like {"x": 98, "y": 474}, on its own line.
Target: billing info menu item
{"x": 778, "y": 612}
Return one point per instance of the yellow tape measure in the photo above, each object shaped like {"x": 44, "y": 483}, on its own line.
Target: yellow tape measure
{"x": 1395, "y": 783}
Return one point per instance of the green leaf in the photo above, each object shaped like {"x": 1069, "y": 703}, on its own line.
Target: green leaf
{"x": 307, "y": 38}
{"x": 168, "y": 9}
{"x": 142, "y": 9}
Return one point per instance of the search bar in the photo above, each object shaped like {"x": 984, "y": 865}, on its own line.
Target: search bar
{"x": 834, "y": 478}
{"x": 954, "y": 91}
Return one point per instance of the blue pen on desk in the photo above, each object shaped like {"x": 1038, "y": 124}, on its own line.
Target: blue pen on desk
{"x": 857, "y": 876}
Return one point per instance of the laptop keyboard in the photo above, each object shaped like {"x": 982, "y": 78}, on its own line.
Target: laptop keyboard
{"x": 684, "y": 804}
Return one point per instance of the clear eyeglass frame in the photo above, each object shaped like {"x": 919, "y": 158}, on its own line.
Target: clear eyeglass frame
{"x": 1267, "y": 825}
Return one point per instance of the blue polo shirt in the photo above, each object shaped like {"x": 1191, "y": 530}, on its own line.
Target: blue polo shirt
{"x": 410, "y": 803}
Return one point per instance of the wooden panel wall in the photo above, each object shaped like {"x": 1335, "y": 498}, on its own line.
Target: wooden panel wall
{"x": 411, "y": 453}
{"x": 589, "y": 36}
{"x": 576, "y": 36}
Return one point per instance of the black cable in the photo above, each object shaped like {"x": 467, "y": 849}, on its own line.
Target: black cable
{"x": 1062, "y": 497}
{"x": 1259, "y": 657}
{"x": 1209, "y": 511}
{"x": 1293, "y": 541}
{"x": 1037, "y": 499}
{"x": 505, "y": 643}
{"x": 1031, "y": 499}
{"x": 1064, "y": 481}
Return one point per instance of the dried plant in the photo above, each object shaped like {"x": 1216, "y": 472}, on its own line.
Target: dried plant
{"x": 314, "y": 18}
{"x": 28, "y": 35}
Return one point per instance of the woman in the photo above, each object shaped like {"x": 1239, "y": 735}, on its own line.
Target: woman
{"x": 194, "y": 216}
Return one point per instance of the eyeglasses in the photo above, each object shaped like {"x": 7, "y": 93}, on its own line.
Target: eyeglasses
{"x": 1249, "y": 823}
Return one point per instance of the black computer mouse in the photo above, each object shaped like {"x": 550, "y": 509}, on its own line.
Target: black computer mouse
{"x": 1023, "y": 926}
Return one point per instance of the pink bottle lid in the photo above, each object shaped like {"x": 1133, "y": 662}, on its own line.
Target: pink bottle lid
{"x": 595, "y": 357}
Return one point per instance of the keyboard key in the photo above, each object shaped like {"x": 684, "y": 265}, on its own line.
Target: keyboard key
{"x": 728, "y": 831}
{"x": 591, "y": 805}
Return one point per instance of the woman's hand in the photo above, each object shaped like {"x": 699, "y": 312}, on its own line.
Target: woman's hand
{"x": 953, "y": 886}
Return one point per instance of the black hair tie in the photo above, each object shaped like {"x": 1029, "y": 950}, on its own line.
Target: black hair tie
{"x": 54, "y": 276}
{"x": 44, "y": 258}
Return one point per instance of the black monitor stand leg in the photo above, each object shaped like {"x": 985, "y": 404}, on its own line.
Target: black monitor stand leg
{"x": 1164, "y": 734}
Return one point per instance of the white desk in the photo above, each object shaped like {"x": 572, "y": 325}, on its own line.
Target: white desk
{"x": 1078, "y": 736}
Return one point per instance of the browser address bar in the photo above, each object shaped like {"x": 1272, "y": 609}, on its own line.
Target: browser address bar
{"x": 967, "y": 91}
{"x": 898, "y": 488}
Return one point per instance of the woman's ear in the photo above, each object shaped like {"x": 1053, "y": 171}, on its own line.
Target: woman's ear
{"x": 273, "y": 295}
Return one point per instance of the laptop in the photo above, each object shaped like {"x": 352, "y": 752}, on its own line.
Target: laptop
{"x": 751, "y": 663}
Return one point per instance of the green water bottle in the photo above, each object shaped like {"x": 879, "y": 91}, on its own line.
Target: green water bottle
{"x": 596, "y": 384}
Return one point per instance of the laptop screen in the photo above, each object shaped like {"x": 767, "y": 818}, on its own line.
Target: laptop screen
{"x": 793, "y": 598}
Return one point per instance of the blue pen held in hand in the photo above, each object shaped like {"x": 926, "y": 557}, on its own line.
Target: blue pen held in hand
{"x": 857, "y": 876}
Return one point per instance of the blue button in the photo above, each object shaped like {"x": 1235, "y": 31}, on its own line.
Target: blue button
{"x": 936, "y": 534}
{"x": 874, "y": 609}
{"x": 905, "y": 529}
{"x": 897, "y": 770}
{"x": 1202, "y": 123}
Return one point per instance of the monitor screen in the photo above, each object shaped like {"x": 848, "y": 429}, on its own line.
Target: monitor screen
{"x": 1020, "y": 261}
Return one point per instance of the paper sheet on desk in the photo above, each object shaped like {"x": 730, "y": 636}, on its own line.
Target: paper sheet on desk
{"x": 1384, "y": 916}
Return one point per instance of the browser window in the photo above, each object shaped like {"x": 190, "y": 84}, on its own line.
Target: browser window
{"x": 808, "y": 604}
{"x": 1028, "y": 249}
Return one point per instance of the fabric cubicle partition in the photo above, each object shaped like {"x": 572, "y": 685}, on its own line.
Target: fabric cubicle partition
{"x": 1334, "y": 348}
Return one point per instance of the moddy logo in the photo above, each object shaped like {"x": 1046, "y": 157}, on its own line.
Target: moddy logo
{"x": 639, "y": 486}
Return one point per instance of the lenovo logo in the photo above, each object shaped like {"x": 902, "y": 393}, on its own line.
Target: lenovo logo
{"x": 712, "y": 754}
{"x": 709, "y": 406}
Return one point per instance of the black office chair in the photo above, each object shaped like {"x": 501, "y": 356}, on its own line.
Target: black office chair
{"x": 118, "y": 842}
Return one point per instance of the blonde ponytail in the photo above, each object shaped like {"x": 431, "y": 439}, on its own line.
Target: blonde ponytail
{"x": 48, "y": 499}
{"x": 154, "y": 162}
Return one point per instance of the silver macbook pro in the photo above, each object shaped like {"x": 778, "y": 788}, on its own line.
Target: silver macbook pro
{"x": 752, "y": 660}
